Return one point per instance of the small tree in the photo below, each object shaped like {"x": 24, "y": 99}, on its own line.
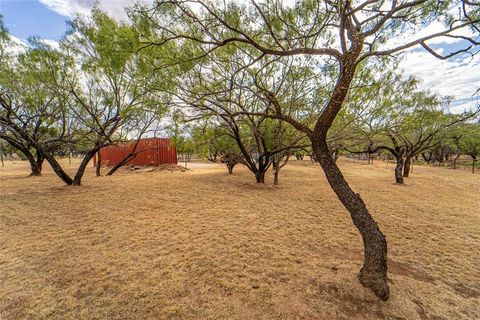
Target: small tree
{"x": 469, "y": 144}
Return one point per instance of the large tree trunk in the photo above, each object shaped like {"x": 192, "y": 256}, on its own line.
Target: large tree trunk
{"x": 260, "y": 176}
{"x": 48, "y": 156}
{"x": 373, "y": 274}
{"x": 36, "y": 169}
{"x": 407, "y": 166}
{"x": 37, "y": 164}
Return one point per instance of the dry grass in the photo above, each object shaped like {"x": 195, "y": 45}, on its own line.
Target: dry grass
{"x": 205, "y": 245}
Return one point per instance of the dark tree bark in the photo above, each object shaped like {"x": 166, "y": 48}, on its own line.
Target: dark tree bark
{"x": 373, "y": 274}
{"x": 124, "y": 161}
{"x": 98, "y": 168}
{"x": 278, "y": 162}
{"x": 77, "y": 180}
{"x": 260, "y": 176}
{"x": 275, "y": 177}
{"x": 407, "y": 167}
{"x": 120, "y": 164}
{"x": 37, "y": 164}
{"x": 58, "y": 169}
{"x": 230, "y": 167}
{"x": 399, "y": 169}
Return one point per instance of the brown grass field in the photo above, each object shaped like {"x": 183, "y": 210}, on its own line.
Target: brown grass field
{"x": 203, "y": 244}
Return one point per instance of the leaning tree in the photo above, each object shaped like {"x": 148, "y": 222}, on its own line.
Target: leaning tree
{"x": 343, "y": 33}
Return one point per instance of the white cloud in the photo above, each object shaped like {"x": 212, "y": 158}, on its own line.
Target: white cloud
{"x": 455, "y": 77}
{"x": 70, "y": 8}
{"x": 52, "y": 43}
{"x": 18, "y": 45}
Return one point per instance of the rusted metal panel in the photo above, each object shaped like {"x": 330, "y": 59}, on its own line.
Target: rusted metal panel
{"x": 149, "y": 151}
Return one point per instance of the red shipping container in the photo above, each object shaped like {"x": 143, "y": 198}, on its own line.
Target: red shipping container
{"x": 150, "y": 151}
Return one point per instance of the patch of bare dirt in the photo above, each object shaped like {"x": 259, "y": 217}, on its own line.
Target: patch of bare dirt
{"x": 162, "y": 167}
{"x": 208, "y": 245}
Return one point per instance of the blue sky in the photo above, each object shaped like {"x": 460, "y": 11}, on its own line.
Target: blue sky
{"x": 25, "y": 18}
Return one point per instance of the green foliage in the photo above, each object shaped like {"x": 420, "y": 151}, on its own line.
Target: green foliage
{"x": 469, "y": 140}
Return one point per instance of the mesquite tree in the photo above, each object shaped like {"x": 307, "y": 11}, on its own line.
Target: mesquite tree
{"x": 224, "y": 92}
{"x": 405, "y": 122}
{"x": 33, "y": 111}
{"x": 215, "y": 144}
{"x": 344, "y": 33}
{"x": 469, "y": 143}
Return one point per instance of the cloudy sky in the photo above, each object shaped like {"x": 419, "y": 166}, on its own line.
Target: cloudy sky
{"x": 459, "y": 77}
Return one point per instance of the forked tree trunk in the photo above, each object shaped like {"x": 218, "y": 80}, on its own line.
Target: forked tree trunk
{"x": 373, "y": 274}
{"x": 260, "y": 176}
{"x": 36, "y": 169}
{"x": 36, "y": 165}
{"x": 407, "y": 167}
{"x": 77, "y": 180}
{"x": 230, "y": 166}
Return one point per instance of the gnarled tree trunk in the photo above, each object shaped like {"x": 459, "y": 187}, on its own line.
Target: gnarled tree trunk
{"x": 373, "y": 274}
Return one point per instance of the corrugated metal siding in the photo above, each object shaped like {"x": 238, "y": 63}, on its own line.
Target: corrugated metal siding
{"x": 151, "y": 151}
